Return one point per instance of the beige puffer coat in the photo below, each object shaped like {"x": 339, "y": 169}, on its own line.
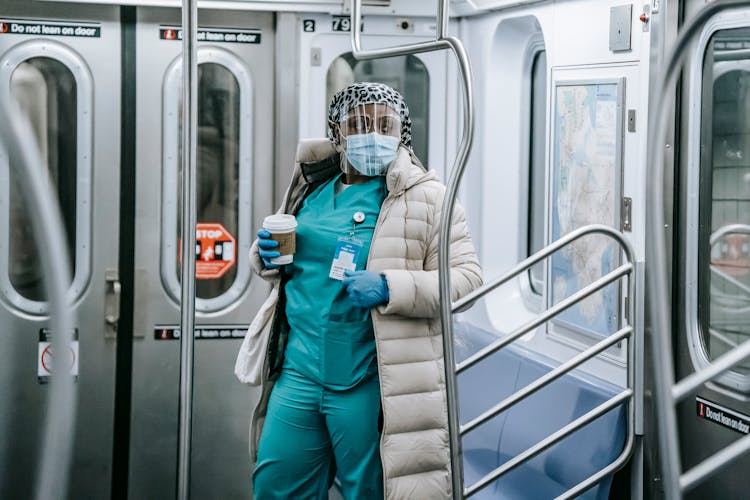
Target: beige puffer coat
{"x": 414, "y": 444}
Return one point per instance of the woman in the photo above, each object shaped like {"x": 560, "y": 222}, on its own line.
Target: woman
{"x": 354, "y": 369}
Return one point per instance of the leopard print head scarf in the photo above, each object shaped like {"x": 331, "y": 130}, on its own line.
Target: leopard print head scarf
{"x": 368, "y": 93}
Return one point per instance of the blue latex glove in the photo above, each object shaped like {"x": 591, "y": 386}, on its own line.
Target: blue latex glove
{"x": 366, "y": 289}
{"x": 265, "y": 246}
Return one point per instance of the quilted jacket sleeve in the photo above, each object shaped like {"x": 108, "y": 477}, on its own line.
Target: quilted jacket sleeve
{"x": 416, "y": 293}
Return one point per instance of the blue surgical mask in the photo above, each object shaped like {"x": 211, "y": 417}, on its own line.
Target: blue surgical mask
{"x": 370, "y": 154}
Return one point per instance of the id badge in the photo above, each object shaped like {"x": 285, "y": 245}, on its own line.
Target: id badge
{"x": 345, "y": 257}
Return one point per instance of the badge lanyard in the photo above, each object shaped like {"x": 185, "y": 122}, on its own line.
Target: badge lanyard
{"x": 347, "y": 250}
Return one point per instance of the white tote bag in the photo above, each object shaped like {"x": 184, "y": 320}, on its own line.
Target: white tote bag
{"x": 249, "y": 365}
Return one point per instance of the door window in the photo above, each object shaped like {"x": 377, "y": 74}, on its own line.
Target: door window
{"x": 723, "y": 305}
{"x": 407, "y": 74}
{"x": 46, "y": 91}
{"x": 54, "y": 91}
{"x": 223, "y": 174}
{"x": 537, "y": 145}
{"x": 217, "y": 164}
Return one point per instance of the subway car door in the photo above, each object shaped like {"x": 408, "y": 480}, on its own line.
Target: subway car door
{"x": 331, "y": 67}
{"x": 713, "y": 271}
{"x": 62, "y": 64}
{"x": 234, "y": 192}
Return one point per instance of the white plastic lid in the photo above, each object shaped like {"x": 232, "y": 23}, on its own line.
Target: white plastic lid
{"x": 280, "y": 223}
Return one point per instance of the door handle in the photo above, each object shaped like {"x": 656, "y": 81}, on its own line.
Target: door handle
{"x": 112, "y": 303}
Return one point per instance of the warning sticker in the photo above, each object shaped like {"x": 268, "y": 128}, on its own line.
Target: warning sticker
{"x": 51, "y": 28}
{"x": 721, "y": 415}
{"x": 215, "y": 251}
{"x": 46, "y": 353}
{"x": 172, "y": 332}
{"x": 222, "y": 35}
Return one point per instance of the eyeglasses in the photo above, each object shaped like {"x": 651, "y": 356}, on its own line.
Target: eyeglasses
{"x": 363, "y": 124}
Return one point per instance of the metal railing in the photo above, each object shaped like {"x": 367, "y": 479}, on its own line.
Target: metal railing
{"x": 669, "y": 393}
{"x": 17, "y": 136}
{"x": 446, "y": 309}
{"x": 440, "y": 42}
{"x": 625, "y": 333}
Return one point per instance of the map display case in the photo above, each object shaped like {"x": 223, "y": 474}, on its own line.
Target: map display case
{"x": 586, "y": 189}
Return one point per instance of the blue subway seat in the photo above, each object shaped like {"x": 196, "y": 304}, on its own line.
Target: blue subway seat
{"x": 513, "y": 431}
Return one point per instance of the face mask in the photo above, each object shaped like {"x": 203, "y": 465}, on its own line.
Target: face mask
{"x": 370, "y": 154}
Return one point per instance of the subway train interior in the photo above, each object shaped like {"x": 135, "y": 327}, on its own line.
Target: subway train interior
{"x": 600, "y": 148}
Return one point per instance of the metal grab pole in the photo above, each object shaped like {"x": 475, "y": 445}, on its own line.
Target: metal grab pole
{"x": 656, "y": 253}
{"x": 446, "y": 313}
{"x": 449, "y": 199}
{"x": 187, "y": 295}
{"x": 33, "y": 179}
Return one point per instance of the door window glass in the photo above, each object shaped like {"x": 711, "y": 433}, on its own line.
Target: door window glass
{"x": 217, "y": 168}
{"x": 46, "y": 91}
{"x": 537, "y": 145}
{"x": 407, "y": 74}
{"x": 724, "y": 214}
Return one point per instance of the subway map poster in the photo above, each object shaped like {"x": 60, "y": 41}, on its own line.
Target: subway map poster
{"x": 587, "y": 173}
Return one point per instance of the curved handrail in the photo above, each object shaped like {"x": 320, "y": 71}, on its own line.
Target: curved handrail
{"x": 627, "y": 332}
{"x": 656, "y": 254}
{"x": 728, "y": 229}
{"x": 441, "y": 42}
{"x": 59, "y": 426}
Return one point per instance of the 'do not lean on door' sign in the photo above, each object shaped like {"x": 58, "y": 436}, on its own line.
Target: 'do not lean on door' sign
{"x": 215, "y": 251}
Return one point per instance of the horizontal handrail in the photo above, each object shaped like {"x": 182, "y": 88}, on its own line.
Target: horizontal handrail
{"x": 548, "y": 378}
{"x": 722, "y": 338}
{"x": 401, "y": 50}
{"x": 733, "y": 55}
{"x": 439, "y": 43}
{"x": 728, "y": 229}
{"x": 729, "y": 454}
{"x": 550, "y": 440}
{"x": 730, "y": 279}
{"x": 550, "y": 313}
{"x": 695, "y": 380}
{"x": 469, "y": 299}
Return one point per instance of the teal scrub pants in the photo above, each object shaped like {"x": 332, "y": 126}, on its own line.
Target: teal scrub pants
{"x": 309, "y": 430}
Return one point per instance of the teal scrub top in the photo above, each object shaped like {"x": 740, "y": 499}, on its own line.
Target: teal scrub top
{"x": 330, "y": 340}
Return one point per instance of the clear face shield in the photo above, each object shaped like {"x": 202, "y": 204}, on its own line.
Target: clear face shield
{"x": 370, "y": 136}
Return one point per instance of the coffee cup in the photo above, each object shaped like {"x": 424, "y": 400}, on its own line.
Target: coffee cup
{"x": 283, "y": 229}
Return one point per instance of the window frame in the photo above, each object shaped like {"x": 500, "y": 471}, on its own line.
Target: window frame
{"x": 559, "y": 328}
{"x": 698, "y": 354}
{"x": 533, "y": 300}
{"x": 84, "y": 169}
{"x": 170, "y": 169}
